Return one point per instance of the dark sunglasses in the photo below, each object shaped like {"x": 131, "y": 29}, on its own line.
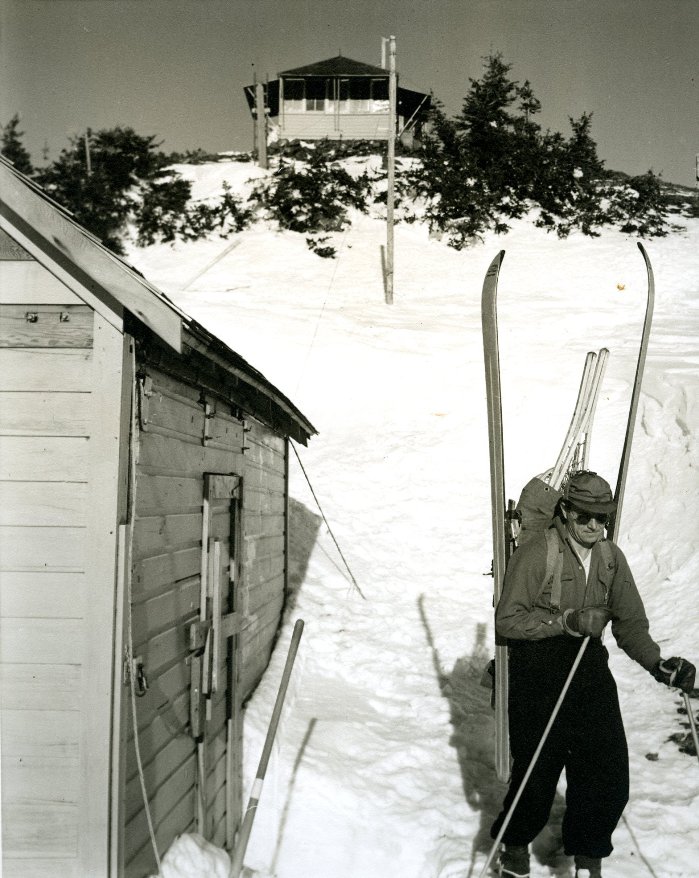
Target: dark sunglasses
{"x": 602, "y": 518}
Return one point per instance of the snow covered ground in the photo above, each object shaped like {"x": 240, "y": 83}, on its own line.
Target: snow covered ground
{"x": 382, "y": 767}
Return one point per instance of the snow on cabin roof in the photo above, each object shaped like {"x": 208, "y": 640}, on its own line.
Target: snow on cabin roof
{"x": 337, "y": 66}
{"x": 116, "y": 290}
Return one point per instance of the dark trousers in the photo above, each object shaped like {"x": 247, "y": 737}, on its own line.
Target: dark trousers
{"x": 587, "y": 740}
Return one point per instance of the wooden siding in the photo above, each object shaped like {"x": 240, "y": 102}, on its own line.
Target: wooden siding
{"x": 45, "y": 391}
{"x": 264, "y": 527}
{"x": 28, "y": 283}
{"x": 183, "y": 435}
{"x": 335, "y": 126}
{"x": 54, "y": 326}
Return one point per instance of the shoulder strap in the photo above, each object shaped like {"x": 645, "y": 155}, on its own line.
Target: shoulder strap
{"x": 554, "y": 567}
{"x": 608, "y": 565}
{"x": 608, "y": 559}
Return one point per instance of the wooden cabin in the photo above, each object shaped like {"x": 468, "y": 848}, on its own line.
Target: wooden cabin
{"x": 338, "y": 99}
{"x": 143, "y": 554}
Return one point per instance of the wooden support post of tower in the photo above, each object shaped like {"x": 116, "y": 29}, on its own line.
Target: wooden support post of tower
{"x": 88, "y": 158}
{"x": 390, "y": 188}
{"x": 260, "y": 125}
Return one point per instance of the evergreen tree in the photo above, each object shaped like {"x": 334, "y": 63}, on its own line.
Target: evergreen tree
{"x": 488, "y": 125}
{"x": 442, "y": 178}
{"x": 639, "y": 206}
{"x": 493, "y": 162}
{"x": 570, "y": 185}
{"x": 582, "y": 149}
{"x": 12, "y": 147}
{"x": 500, "y": 135}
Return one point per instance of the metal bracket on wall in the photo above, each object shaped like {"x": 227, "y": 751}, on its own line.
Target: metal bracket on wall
{"x": 209, "y": 415}
{"x": 145, "y": 391}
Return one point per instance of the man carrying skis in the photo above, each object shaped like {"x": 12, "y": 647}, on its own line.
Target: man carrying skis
{"x": 557, "y": 590}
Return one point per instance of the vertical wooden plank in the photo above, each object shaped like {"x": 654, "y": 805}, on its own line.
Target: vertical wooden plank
{"x": 234, "y": 789}
{"x": 287, "y": 443}
{"x": 204, "y": 568}
{"x": 121, "y": 608}
{"x": 98, "y": 647}
{"x": 215, "y": 552}
{"x": 200, "y": 784}
{"x": 2, "y": 824}
{"x": 119, "y": 711}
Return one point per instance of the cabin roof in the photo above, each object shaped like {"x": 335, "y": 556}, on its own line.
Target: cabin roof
{"x": 337, "y": 66}
{"x": 119, "y": 292}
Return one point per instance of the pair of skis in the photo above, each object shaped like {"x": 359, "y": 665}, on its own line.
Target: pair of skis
{"x": 575, "y": 451}
{"x": 574, "y": 456}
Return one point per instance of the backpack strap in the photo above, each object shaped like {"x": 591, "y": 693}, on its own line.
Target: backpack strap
{"x": 608, "y": 560}
{"x": 554, "y": 568}
{"x": 554, "y": 565}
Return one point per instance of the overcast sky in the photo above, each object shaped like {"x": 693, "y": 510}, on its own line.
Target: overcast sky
{"x": 176, "y": 68}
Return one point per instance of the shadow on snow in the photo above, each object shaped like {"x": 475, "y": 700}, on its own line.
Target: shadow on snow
{"x": 473, "y": 738}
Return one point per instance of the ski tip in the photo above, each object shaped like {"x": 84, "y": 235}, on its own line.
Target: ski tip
{"x": 644, "y": 253}
{"x": 649, "y": 268}
{"x": 494, "y": 266}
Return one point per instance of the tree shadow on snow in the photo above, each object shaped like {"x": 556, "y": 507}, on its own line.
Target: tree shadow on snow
{"x": 472, "y": 719}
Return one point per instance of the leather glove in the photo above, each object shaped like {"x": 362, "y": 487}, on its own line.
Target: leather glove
{"x": 677, "y": 672}
{"x": 588, "y": 621}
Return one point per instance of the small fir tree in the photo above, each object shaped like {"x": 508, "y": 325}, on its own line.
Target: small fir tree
{"x": 312, "y": 195}
{"x": 13, "y": 148}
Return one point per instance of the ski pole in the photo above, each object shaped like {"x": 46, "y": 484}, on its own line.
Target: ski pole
{"x": 246, "y": 827}
{"x": 692, "y": 723}
{"x": 537, "y": 753}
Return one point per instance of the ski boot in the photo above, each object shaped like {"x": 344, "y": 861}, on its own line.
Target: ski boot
{"x": 514, "y": 861}
{"x": 588, "y": 867}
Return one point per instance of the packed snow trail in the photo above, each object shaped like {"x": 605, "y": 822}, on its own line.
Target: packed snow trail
{"x": 383, "y": 765}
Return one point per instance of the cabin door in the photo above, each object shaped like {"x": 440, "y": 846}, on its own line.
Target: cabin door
{"x": 215, "y": 709}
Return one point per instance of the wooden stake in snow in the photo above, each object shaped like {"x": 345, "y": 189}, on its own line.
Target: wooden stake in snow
{"x": 260, "y": 125}
{"x": 88, "y": 158}
{"x": 246, "y": 827}
{"x": 390, "y": 187}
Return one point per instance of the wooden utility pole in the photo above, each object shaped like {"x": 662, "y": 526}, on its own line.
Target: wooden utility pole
{"x": 260, "y": 125}
{"x": 390, "y": 188}
{"x": 88, "y": 160}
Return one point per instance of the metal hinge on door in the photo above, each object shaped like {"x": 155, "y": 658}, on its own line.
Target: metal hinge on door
{"x": 209, "y": 415}
{"x": 145, "y": 391}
